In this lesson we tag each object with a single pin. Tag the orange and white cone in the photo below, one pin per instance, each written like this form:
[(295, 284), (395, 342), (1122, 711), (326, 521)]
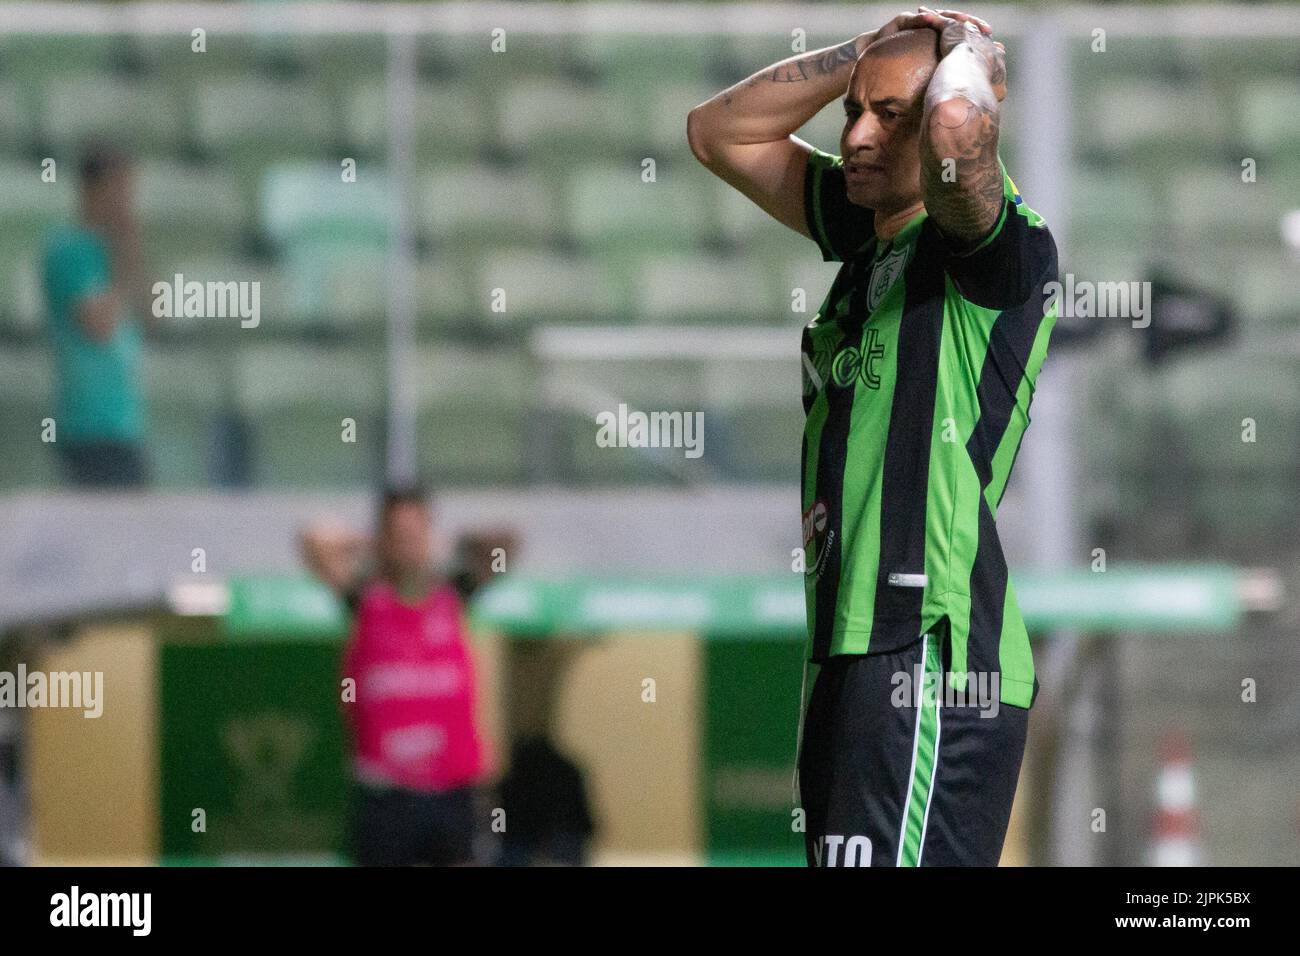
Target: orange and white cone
[(1177, 825)]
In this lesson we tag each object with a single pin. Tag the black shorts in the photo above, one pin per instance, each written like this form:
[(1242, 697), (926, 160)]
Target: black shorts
[(395, 827), (885, 782)]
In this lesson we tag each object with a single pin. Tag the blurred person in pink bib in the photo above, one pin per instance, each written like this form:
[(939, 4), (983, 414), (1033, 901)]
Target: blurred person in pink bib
[(408, 691)]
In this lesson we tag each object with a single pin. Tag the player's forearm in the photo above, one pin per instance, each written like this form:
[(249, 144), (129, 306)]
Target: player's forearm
[(960, 174), (775, 101)]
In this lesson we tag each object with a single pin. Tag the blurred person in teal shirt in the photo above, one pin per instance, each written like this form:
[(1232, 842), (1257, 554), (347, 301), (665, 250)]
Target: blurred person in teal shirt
[(95, 292)]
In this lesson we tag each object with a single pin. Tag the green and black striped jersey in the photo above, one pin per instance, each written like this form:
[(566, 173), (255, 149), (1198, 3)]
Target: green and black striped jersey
[(918, 371)]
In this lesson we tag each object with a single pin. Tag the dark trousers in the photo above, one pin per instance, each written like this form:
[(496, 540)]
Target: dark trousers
[(104, 464), (396, 827)]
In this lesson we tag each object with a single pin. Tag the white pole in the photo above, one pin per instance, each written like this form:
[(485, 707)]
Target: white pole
[(401, 462)]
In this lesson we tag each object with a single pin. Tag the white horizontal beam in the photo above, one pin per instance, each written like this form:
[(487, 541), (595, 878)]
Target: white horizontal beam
[(669, 19), (642, 343)]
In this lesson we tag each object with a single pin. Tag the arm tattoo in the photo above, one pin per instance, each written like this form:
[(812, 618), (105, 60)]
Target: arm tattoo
[(965, 206), (826, 62), (833, 59), (961, 178)]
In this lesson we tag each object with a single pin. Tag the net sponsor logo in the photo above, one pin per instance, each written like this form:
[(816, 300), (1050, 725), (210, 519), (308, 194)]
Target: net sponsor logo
[(853, 364)]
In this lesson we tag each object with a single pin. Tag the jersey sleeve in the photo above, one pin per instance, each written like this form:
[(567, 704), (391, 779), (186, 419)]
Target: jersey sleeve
[(1013, 264), (837, 226)]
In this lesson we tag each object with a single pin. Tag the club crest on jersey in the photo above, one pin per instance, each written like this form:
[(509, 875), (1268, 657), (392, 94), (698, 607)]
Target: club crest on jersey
[(887, 271)]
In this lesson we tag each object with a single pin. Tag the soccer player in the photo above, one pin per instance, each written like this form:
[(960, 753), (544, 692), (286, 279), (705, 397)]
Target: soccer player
[(918, 371)]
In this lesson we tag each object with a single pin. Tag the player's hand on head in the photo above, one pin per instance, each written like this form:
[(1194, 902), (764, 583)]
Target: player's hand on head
[(946, 15), (958, 28)]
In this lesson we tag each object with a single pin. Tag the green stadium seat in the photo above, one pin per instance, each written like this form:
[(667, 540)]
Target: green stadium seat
[(666, 125), (17, 112), (132, 113), (442, 293), (1106, 208), (739, 219), (36, 57), (1268, 292), (708, 289), (23, 304), (638, 62), (310, 202), (482, 206), (1160, 119), (27, 203), (1270, 115), (469, 57), (202, 200), (1212, 204), (185, 390), (263, 116), (27, 397), (473, 411), (565, 120), (296, 425), (543, 285), (450, 121), (609, 207)]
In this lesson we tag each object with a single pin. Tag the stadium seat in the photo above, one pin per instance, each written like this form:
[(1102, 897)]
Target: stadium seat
[(450, 121), (666, 116), (1270, 119), (27, 397), (544, 285), (1268, 293), (296, 425), (473, 410), (263, 117), (1211, 203), (611, 209), (484, 206), (442, 294), (710, 290), (303, 202), (135, 114), (27, 203), (1160, 120), (565, 121), (186, 388), (173, 197)]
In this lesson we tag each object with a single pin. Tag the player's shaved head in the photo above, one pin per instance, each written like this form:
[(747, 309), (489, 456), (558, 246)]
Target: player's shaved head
[(912, 54), (922, 45)]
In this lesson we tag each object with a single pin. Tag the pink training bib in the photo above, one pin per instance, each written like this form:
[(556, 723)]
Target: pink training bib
[(413, 719)]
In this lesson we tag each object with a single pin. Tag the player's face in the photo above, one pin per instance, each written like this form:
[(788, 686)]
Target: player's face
[(406, 537), (882, 130)]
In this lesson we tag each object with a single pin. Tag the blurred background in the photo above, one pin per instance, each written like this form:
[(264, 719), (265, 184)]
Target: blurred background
[(527, 242)]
